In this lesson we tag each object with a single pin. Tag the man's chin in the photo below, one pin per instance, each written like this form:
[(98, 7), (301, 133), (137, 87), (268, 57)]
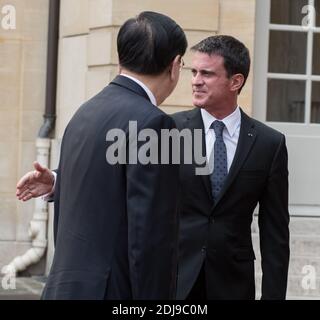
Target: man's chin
[(198, 104)]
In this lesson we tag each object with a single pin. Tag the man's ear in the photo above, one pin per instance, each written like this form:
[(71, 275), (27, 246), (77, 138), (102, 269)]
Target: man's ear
[(237, 81), (174, 69)]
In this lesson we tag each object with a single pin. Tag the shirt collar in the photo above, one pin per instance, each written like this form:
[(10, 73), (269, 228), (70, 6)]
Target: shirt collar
[(232, 121), (144, 87)]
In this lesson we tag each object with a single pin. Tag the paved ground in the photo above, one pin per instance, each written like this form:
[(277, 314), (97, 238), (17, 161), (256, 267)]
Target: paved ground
[(31, 288), (25, 289)]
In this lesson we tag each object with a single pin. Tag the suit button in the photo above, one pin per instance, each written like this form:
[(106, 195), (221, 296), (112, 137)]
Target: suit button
[(211, 220), (204, 249)]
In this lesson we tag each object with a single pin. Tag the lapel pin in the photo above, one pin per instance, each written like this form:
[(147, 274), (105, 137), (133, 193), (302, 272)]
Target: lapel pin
[(250, 135)]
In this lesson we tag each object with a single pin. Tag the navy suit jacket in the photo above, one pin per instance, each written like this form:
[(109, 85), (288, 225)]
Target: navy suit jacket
[(115, 225), (218, 235)]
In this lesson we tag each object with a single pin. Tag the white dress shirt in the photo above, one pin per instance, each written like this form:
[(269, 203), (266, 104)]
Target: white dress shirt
[(144, 87), (230, 133)]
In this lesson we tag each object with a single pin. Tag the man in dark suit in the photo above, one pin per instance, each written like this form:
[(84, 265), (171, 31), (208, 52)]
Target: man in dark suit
[(116, 224), (248, 161)]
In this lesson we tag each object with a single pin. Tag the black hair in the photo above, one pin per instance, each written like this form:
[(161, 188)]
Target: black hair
[(148, 43), (235, 54)]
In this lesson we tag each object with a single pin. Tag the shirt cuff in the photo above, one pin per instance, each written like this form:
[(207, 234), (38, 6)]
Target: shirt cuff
[(49, 196)]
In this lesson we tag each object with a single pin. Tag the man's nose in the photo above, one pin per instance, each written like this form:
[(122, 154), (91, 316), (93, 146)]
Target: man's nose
[(197, 79)]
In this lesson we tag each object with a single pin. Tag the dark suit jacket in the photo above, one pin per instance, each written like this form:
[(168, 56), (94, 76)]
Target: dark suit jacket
[(219, 234), (115, 225)]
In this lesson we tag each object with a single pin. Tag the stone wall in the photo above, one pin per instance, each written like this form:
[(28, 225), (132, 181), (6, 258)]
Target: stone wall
[(22, 97)]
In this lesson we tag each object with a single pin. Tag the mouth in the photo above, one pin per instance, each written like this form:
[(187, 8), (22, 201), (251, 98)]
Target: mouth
[(198, 92)]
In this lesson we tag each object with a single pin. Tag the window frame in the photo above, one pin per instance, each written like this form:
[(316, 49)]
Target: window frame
[(261, 73)]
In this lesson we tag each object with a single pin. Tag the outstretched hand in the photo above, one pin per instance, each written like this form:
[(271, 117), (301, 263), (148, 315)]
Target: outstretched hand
[(35, 183)]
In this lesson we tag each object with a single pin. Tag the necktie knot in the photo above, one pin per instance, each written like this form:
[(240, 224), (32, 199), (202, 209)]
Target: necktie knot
[(218, 127)]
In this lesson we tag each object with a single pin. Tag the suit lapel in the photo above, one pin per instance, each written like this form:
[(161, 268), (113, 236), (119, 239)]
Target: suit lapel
[(247, 138), (129, 84), (195, 121)]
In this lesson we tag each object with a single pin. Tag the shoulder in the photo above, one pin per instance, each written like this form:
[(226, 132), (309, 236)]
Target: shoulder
[(157, 119), (265, 132), (182, 116)]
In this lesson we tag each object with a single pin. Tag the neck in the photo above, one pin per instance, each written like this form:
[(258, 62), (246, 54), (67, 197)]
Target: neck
[(154, 83), (223, 110)]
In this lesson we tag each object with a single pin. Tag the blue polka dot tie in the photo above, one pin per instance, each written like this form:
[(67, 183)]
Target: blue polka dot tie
[(220, 169)]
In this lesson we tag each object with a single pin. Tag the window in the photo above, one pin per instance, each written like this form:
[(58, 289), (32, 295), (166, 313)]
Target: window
[(293, 75)]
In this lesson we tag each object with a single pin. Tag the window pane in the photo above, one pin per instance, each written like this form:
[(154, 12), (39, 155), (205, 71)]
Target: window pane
[(316, 54), (317, 6), (286, 100), (287, 11), (315, 104), (287, 52)]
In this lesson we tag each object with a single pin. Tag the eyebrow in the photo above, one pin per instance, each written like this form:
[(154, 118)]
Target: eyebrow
[(203, 71)]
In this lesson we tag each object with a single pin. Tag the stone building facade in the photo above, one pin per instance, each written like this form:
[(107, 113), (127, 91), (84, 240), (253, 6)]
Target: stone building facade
[(87, 61)]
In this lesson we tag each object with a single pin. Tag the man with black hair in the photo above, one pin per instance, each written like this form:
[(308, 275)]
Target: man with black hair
[(248, 164), (115, 225)]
